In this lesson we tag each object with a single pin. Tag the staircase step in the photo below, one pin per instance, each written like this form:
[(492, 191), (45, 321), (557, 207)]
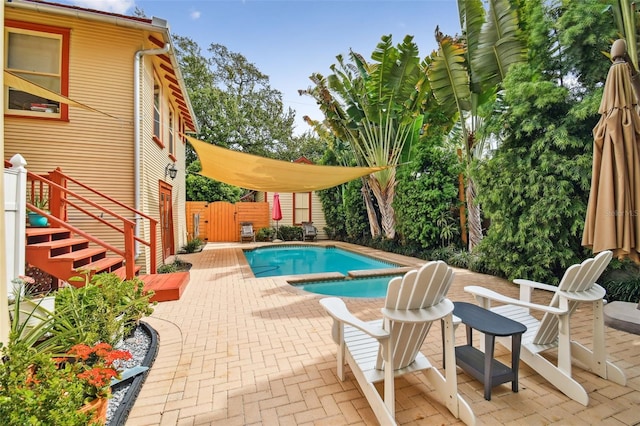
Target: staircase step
[(45, 231), (88, 254), (39, 235), (167, 287), (122, 271), (72, 243), (104, 265)]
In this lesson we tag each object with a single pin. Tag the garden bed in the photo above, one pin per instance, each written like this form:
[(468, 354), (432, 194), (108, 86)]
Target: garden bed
[(143, 345)]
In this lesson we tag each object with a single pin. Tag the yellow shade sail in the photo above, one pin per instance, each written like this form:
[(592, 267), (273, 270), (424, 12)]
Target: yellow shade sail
[(19, 83), (266, 174)]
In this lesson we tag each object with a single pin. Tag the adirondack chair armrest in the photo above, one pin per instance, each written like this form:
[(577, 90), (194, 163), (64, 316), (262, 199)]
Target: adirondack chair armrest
[(596, 292), (432, 313), (537, 285), (338, 310), (484, 293)]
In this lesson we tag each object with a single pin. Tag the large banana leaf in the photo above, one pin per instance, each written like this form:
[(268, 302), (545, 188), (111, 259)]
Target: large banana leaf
[(449, 76), (395, 77), (472, 15), (498, 46)]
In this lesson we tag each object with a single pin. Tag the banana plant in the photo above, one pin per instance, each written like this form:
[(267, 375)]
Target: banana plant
[(377, 107), (465, 74), (628, 22)]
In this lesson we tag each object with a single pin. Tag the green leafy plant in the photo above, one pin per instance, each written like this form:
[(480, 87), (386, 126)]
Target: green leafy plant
[(265, 234), (105, 309), (192, 245), (40, 202), (290, 233), (167, 268), (35, 390), (32, 325), (176, 266)]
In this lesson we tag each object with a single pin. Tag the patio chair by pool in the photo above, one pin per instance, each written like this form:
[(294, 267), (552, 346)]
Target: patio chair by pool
[(380, 350), (309, 232), (578, 285), (246, 231)]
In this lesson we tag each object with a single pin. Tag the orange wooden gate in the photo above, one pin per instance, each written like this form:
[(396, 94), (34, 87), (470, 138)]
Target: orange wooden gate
[(220, 221)]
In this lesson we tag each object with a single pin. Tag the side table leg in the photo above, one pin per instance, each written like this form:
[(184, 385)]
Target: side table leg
[(489, 343), (515, 359)]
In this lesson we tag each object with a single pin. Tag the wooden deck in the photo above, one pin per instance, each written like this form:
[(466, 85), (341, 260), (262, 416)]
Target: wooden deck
[(167, 287)]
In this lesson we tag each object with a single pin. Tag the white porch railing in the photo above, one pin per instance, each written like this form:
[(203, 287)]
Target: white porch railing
[(15, 187)]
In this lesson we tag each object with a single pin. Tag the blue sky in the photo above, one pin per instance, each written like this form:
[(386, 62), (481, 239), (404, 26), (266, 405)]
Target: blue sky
[(288, 40)]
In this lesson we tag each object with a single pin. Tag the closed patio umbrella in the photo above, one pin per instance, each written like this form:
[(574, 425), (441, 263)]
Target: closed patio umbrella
[(613, 213), (276, 212)]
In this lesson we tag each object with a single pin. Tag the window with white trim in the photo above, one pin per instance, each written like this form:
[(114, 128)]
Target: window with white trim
[(157, 121), (38, 54), (301, 207), (171, 139)]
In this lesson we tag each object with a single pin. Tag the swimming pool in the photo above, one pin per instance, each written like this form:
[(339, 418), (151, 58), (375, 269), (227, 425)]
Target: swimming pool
[(300, 259), (355, 287)]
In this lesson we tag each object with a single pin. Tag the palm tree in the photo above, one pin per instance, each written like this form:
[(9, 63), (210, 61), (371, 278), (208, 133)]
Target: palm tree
[(465, 75), (376, 107)]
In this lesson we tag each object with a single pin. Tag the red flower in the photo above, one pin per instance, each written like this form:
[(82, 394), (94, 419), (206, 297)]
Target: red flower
[(96, 367)]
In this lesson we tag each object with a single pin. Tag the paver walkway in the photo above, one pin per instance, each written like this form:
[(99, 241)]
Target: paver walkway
[(237, 350)]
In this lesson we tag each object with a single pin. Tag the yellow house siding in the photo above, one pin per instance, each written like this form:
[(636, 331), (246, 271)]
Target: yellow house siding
[(154, 158), (286, 205), (317, 215), (95, 149), (90, 147)]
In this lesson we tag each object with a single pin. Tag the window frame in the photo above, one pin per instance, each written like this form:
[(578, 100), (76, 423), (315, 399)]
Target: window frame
[(307, 207), (157, 111), (171, 132), (45, 31)]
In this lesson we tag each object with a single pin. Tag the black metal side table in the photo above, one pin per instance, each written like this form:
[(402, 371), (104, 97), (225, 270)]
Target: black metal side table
[(483, 366)]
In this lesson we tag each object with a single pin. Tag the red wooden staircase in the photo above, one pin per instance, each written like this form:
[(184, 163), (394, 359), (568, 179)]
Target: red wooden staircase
[(59, 253), (64, 250)]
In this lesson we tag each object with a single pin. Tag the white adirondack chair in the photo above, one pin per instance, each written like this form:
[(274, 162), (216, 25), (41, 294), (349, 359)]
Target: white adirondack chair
[(578, 285), (381, 350)]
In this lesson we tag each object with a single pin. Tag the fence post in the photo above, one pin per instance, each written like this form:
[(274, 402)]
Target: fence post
[(57, 206)]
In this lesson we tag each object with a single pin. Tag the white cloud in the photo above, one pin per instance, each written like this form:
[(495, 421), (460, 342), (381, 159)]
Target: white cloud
[(195, 14), (115, 6)]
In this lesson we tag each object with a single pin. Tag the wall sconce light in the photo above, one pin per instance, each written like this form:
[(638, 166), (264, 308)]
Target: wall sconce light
[(171, 170)]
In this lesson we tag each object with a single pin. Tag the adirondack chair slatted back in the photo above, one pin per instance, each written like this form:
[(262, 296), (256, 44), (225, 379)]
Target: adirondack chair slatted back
[(416, 290), (577, 278)]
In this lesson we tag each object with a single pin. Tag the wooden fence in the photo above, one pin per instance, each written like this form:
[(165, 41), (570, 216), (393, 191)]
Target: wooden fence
[(220, 221)]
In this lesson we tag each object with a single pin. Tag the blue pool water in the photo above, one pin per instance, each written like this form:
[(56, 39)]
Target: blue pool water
[(296, 260), (357, 287)]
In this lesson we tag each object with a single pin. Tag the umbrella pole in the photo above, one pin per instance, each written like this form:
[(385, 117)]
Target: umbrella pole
[(276, 240)]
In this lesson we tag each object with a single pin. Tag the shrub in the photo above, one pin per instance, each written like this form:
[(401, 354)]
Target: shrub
[(167, 268), (622, 281), (290, 233), (265, 234), (192, 245), (426, 197), (176, 266), (105, 309), (35, 390)]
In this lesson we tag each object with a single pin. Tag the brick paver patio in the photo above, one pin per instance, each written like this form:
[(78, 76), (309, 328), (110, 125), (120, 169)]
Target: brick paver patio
[(237, 350)]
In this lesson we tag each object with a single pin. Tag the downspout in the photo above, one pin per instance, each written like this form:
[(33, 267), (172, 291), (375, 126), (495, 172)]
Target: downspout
[(137, 120)]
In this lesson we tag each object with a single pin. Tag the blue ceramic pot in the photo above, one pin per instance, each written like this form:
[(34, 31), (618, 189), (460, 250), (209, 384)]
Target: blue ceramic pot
[(37, 220)]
